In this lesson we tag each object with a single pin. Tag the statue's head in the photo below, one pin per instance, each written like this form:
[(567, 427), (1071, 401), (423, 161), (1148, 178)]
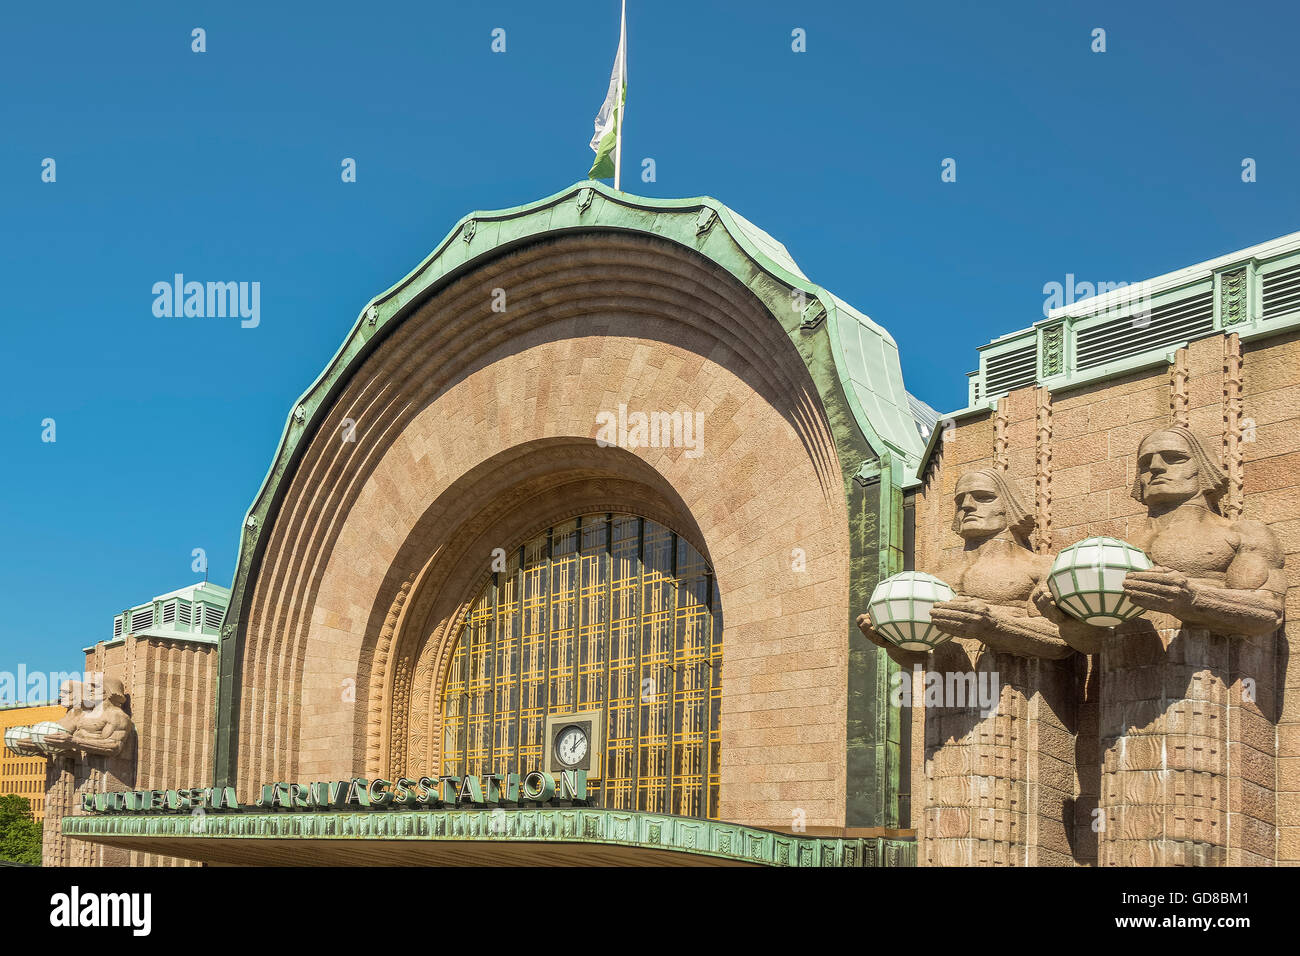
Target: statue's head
[(985, 505), (1175, 467), (70, 693), (99, 688)]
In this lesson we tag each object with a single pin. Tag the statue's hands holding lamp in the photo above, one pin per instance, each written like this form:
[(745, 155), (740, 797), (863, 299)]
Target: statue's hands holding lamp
[(964, 616), (1084, 638), (1160, 589), (905, 659)]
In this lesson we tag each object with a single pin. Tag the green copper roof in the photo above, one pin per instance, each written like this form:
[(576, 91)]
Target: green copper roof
[(868, 361), (865, 355)]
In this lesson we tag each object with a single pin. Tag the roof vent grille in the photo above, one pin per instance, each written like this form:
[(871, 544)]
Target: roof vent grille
[(1011, 370), (1128, 335), (1282, 292)]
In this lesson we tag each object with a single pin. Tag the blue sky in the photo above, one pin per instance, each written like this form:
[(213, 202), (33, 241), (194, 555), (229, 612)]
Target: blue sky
[(225, 165)]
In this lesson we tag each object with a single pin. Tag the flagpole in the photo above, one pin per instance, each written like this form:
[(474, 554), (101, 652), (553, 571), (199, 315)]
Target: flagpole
[(622, 97)]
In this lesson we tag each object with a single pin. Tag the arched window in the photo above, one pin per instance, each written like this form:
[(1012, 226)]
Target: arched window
[(613, 622)]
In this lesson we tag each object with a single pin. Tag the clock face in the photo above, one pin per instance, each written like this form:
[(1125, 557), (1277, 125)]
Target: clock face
[(571, 745)]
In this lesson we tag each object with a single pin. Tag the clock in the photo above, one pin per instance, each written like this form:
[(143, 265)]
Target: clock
[(574, 741), (571, 745)]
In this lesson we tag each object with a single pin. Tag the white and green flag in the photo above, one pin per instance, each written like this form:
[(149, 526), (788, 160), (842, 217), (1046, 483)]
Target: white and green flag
[(608, 140)]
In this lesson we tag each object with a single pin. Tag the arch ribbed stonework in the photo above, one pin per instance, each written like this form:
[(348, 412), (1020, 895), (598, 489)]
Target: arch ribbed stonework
[(444, 425), (474, 427)]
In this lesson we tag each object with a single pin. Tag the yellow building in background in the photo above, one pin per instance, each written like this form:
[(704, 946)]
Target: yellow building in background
[(25, 776)]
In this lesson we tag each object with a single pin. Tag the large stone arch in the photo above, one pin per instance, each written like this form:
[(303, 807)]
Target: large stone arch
[(499, 503), (471, 427)]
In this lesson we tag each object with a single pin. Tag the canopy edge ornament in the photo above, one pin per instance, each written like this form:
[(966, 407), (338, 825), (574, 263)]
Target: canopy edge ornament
[(868, 472), (814, 314), (704, 222)]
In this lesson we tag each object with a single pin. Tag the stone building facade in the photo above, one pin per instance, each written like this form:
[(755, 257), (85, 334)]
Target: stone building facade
[(467, 561), (1151, 751)]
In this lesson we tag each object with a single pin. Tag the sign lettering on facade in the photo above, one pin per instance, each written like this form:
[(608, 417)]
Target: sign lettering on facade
[(470, 790)]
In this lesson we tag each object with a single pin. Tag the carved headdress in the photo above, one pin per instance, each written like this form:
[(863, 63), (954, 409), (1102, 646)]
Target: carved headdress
[(1210, 474), (1020, 520)]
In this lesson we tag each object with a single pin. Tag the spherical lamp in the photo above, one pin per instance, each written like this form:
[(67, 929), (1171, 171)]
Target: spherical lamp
[(39, 732), (1087, 580), (18, 740), (900, 610)]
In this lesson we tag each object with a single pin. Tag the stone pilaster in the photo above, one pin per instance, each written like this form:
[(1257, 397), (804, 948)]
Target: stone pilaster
[(999, 785), (1186, 775)]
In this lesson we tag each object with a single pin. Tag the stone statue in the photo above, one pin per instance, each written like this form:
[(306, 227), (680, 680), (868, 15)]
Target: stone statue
[(994, 579), (95, 724), (1174, 706), (94, 752), (1210, 571), (993, 792)]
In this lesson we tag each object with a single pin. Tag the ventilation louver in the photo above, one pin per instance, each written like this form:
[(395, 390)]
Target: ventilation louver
[(1011, 370), (1282, 292), (1131, 334)]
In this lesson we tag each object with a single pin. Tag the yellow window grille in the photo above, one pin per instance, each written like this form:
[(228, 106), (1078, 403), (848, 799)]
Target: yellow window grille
[(609, 613)]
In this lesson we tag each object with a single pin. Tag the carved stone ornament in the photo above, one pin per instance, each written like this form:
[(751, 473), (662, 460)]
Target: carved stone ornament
[(1232, 297)]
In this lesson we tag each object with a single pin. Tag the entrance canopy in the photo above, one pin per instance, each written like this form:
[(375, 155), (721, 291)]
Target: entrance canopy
[(533, 837)]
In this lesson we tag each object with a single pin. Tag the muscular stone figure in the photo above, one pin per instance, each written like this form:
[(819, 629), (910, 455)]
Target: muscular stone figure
[(95, 723), (70, 696), (979, 805), (94, 753), (994, 579), (1186, 688), (1210, 571)]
